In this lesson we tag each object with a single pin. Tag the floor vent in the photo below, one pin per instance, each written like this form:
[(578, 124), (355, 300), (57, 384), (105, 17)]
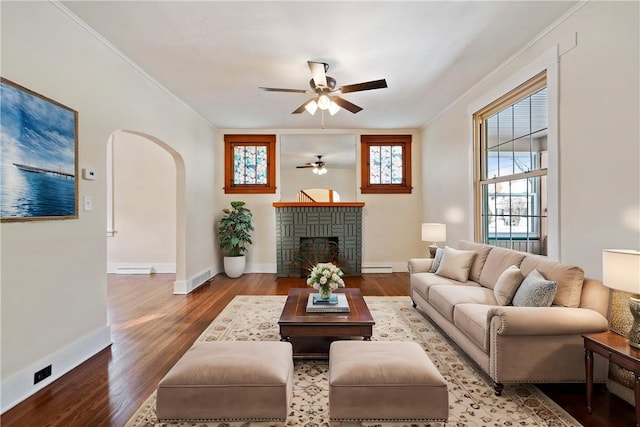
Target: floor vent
[(200, 279), (139, 269)]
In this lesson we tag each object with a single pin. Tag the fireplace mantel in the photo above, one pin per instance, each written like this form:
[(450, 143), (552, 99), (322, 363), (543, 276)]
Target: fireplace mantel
[(341, 222), (317, 204)]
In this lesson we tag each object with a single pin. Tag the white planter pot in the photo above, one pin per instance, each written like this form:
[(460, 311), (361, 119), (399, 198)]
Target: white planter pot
[(234, 265)]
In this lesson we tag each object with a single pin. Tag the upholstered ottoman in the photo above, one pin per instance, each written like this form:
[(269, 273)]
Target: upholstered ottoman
[(228, 380), (384, 381)]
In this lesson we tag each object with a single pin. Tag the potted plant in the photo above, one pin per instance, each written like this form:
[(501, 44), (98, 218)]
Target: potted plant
[(234, 236)]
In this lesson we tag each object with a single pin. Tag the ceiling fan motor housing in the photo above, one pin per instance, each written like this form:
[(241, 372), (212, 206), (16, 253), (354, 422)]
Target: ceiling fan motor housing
[(331, 85)]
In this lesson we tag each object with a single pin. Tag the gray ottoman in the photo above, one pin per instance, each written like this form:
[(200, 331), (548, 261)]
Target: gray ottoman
[(228, 380), (384, 381)]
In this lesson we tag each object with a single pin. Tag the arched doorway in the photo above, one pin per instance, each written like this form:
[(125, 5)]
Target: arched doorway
[(145, 205)]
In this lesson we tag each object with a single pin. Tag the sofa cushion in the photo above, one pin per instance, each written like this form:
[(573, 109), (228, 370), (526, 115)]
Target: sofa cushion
[(507, 285), (569, 278), (472, 320), (421, 282), (455, 264), (436, 260), (481, 250), (535, 291), (498, 260), (444, 298)]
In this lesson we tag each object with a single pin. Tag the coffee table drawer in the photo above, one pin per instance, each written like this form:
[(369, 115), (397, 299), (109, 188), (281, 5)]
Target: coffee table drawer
[(326, 330)]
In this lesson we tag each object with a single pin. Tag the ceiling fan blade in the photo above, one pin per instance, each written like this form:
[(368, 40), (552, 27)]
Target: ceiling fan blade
[(346, 104), (301, 108), (374, 84), (274, 89), (306, 166), (318, 73)]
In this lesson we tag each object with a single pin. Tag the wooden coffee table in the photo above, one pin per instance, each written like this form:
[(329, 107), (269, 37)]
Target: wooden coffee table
[(311, 334)]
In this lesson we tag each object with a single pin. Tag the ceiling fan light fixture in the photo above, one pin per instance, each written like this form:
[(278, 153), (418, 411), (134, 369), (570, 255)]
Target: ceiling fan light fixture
[(324, 102), (319, 170), (333, 108), (311, 107)]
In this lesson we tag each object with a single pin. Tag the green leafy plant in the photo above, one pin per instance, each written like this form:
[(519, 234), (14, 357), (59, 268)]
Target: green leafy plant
[(234, 229)]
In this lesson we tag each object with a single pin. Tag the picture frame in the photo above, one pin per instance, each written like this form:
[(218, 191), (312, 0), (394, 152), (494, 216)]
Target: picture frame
[(38, 156)]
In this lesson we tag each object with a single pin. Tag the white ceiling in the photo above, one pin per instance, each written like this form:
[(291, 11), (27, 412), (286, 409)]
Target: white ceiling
[(213, 55)]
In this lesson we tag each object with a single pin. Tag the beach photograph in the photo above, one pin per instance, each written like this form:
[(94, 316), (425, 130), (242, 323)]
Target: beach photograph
[(38, 147)]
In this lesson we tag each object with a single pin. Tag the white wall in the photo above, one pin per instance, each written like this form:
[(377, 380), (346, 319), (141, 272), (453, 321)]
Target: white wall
[(599, 148), (53, 275), (391, 222), (144, 205)]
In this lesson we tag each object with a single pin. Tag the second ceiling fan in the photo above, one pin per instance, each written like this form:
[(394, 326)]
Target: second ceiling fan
[(318, 166), (326, 94)]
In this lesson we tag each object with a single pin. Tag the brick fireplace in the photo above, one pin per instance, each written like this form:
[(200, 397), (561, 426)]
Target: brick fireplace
[(336, 222)]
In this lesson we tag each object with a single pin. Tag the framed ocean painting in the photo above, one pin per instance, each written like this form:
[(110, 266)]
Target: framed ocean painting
[(38, 156)]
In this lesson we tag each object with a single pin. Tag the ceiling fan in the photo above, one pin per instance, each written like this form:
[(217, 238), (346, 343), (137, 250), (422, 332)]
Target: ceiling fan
[(326, 94), (318, 166)]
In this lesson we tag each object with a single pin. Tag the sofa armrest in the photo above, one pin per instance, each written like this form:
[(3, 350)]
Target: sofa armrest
[(509, 320), (419, 265)]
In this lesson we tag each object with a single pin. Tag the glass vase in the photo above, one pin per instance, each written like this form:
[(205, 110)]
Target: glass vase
[(325, 292)]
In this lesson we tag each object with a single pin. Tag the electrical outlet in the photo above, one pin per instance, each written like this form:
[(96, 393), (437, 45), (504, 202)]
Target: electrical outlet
[(42, 374)]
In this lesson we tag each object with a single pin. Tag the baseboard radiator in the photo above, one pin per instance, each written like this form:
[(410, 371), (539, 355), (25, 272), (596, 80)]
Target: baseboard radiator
[(377, 269), (138, 269)]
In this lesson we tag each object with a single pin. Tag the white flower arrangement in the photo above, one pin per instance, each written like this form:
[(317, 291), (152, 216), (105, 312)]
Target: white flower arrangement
[(325, 277)]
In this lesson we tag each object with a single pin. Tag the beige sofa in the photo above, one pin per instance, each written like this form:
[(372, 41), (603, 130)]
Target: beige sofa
[(514, 344)]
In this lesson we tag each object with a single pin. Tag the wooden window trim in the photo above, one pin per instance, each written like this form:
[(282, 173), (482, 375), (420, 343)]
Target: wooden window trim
[(232, 141), (522, 91), (367, 141)]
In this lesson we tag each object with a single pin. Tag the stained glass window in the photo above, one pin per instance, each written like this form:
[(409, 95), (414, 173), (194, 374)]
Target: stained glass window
[(250, 165), (250, 161), (386, 166)]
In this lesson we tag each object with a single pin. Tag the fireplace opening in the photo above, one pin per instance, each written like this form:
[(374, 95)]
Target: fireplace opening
[(314, 250)]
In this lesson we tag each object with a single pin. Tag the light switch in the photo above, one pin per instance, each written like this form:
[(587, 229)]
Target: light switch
[(88, 203)]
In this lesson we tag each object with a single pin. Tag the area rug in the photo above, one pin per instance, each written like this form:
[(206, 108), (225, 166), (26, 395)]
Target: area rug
[(472, 401)]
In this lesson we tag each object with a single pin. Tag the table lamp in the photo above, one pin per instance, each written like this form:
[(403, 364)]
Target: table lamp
[(621, 271), (434, 233)]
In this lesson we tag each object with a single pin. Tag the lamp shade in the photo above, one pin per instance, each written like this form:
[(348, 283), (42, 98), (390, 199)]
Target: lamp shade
[(621, 269), (434, 232)]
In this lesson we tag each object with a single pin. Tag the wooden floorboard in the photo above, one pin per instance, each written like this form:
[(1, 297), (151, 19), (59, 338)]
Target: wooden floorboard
[(152, 328)]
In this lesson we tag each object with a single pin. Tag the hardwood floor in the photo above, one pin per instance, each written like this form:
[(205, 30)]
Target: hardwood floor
[(152, 328)]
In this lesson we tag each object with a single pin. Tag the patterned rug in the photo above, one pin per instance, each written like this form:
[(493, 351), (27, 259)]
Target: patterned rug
[(472, 401)]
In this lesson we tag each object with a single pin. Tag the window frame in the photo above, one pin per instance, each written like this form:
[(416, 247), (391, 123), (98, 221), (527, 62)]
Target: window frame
[(481, 180), (247, 140), (368, 141)]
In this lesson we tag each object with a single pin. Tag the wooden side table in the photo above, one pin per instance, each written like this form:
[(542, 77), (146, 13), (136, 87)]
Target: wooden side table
[(616, 349)]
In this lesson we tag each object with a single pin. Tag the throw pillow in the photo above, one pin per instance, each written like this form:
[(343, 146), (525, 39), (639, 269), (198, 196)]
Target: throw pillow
[(436, 260), (507, 285), (535, 291), (455, 264)]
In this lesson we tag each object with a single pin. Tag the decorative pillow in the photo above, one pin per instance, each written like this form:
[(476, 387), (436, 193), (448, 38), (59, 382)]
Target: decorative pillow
[(455, 264), (436, 260), (507, 285), (535, 291)]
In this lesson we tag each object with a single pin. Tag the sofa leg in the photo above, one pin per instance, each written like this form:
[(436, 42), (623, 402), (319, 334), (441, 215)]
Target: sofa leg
[(498, 387), (413, 303)]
